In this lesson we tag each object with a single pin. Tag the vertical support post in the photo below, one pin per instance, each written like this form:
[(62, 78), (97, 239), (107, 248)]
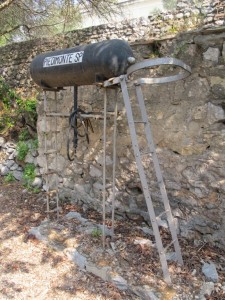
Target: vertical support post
[(56, 156), (75, 107), (114, 158), (104, 167), (45, 147)]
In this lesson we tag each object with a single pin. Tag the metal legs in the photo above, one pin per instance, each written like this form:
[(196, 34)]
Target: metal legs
[(104, 163)]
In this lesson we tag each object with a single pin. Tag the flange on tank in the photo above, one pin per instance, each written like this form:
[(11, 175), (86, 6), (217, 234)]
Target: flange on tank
[(82, 65)]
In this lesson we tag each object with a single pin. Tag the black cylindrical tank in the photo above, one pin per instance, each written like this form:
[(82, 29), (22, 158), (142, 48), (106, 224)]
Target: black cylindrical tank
[(81, 65)]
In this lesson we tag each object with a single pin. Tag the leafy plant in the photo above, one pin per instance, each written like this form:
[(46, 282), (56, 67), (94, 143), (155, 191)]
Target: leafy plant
[(9, 177), (7, 95), (96, 233), (35, 190), (28, 105), (22, 150), (169, 4), (13, 108), (24, 135), (29, 175), (34, 144)]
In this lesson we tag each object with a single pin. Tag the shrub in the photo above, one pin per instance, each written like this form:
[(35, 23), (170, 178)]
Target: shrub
[(96, 233), (29, 174), (9, 177), (24, 135), (13, 107), (22, 150)]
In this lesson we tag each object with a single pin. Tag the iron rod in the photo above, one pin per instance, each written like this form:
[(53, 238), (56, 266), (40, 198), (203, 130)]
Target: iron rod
[(104, 168), (56, 158), (45, 145), (75, 107), (114, 159)]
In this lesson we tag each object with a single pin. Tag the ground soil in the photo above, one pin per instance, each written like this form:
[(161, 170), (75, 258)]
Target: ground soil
[(30, 269)]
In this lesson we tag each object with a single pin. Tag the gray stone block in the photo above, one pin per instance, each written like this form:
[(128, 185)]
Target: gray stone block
[(210, 272)]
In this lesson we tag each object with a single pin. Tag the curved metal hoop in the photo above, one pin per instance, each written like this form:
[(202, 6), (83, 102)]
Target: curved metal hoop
[(157, 62)]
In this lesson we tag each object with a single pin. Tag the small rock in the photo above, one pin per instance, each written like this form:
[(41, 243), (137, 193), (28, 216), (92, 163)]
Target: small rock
[(179, 16), (10, 145), (98, 186), (162, 223), (223, 54), (108, 160), (124, 160), (35, 231), (207, 289), (212, 54), (95, 172), (119, 281), (210, 272), (145, 293), (35, 217), (75, 215), (9, 163), (29, 158), (2, 141), (78, 258), (102, 272), (107, 230), (14, 167), (37, 182), (4, 170), (147, 230), (10, 150), (12, 155), (171, 256), (18, 175), (144, 242)]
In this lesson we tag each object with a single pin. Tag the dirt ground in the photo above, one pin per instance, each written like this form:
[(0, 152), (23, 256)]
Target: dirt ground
[(30, 269)]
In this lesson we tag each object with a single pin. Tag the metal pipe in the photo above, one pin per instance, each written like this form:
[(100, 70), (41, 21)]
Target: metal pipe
[(104, 168), (75, 107), (114, 158)]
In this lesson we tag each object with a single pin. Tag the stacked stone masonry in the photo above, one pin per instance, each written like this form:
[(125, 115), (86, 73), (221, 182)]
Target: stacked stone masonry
[(187, 118)]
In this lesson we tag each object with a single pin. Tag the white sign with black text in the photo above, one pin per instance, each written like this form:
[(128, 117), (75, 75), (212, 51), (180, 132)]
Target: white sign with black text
[(63, 59)]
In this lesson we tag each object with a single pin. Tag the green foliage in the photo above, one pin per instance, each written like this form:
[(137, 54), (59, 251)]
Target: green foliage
[(9, 177), (22, 150), (27, 105), (156, 11), (24, 135), (23, 20), (180, 49), (12, 107), (29, 175), (34, 144), (35, 190), (96, 233), (7, 95), (169, 4)]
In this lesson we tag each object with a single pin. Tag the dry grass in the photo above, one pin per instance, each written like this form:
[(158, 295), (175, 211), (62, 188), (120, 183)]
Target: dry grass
[(30, 269)]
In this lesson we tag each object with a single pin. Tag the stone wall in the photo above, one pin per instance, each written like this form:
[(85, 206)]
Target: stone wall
[(187, 118), (15, 58)]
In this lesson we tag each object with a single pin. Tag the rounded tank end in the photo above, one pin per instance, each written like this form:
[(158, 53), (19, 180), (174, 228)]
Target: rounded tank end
[(131, 60)]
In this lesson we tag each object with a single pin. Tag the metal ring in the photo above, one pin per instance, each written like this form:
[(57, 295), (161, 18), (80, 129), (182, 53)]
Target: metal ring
[(157, 62)]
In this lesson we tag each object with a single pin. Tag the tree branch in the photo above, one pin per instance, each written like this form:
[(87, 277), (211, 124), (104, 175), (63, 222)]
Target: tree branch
[(6, 4)]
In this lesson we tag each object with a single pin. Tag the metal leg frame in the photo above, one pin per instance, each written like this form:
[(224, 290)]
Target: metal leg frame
[(46, 152), (158, 173), (104, 167), (143, 178), (114, 159)]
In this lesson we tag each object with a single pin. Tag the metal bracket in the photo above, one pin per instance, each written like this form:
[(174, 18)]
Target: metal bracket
[(158, 62)]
